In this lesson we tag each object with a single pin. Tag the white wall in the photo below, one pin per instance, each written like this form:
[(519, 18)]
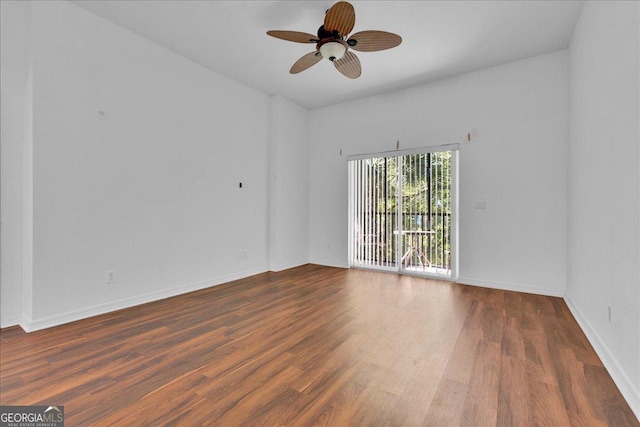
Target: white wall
[(604, 187), (516, 162), (11, 136), (14, 17), (289, 195), (152, 191)]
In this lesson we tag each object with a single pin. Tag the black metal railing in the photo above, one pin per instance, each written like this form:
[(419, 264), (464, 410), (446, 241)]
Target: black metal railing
[(425, 239)]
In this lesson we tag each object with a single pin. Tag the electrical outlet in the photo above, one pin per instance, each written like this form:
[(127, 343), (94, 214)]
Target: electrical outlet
[(110, 276), (480, 204), (243, 254)]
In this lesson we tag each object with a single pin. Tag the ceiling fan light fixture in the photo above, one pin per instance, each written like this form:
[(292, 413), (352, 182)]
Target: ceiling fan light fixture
[(333, 50)]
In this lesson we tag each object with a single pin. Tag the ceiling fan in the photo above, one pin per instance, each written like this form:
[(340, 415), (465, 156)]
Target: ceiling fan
[(333, 44)]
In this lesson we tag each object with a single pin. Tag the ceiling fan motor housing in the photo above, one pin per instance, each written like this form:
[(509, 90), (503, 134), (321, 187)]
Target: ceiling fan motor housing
[(323, 33)]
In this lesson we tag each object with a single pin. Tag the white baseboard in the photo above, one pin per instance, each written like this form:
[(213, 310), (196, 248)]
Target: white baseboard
[(287, 266), (511, 287), (629, 391), (9, 321), (330, 263), (31, 325)]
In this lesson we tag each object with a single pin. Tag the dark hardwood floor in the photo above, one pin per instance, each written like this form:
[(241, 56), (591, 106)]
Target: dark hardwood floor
[(319, 346)]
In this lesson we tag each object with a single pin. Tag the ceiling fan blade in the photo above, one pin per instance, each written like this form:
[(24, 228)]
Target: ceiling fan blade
[(293, 36), (349, 65), (373, 40), (305, 62), (341, 18)]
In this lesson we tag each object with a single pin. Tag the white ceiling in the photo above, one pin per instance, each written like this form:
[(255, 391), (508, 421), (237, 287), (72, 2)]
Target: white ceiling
[(440, 39)]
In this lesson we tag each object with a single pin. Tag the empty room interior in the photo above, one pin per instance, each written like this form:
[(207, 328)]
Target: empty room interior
[(388, 213)]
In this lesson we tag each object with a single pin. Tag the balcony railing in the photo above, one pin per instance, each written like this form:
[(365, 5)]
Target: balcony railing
[(424, 241)]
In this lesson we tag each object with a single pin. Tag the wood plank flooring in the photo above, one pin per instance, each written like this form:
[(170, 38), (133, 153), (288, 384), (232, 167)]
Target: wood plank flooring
[(319, 346)]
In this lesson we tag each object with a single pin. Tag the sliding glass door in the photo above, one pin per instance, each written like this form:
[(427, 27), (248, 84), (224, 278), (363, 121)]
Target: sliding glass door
[(402, 211)]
